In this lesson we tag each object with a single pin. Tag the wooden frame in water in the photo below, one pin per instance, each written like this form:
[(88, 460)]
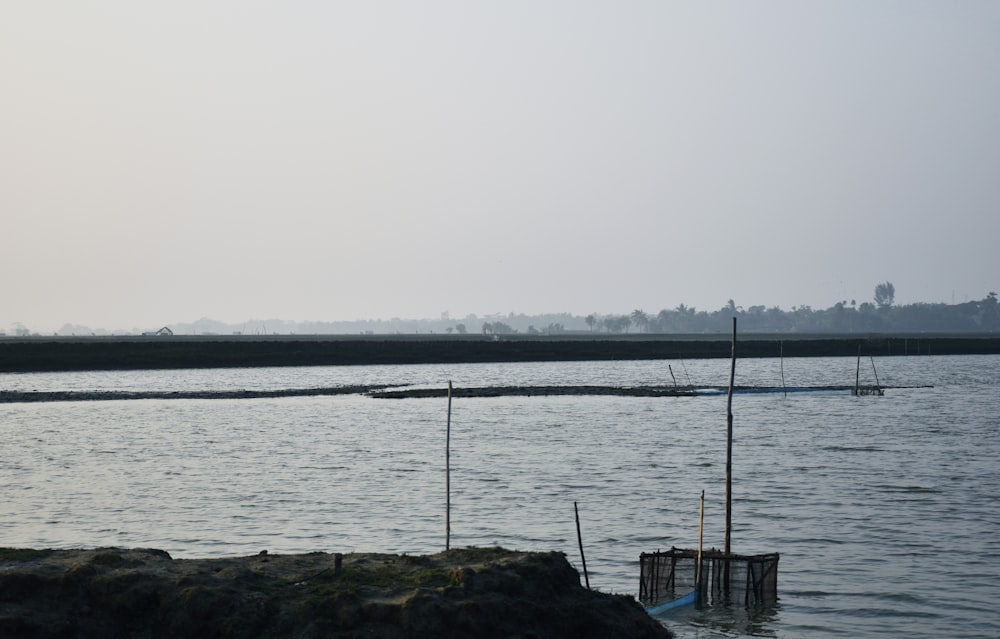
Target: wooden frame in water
[(752, 579)]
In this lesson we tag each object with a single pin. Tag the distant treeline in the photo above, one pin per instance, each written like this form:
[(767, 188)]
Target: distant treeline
[(842, 318), (981, 316), (978, 316)]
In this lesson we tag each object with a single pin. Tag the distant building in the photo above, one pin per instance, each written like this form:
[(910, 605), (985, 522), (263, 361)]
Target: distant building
[(163, 331)]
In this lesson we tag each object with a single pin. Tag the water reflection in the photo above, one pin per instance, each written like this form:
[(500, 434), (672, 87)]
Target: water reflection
[(719, 620)]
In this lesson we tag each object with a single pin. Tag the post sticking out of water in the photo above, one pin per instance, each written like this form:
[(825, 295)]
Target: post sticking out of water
[(447, 477), (701, 528), (729, 461), (579, 539), (729, 444), (670, 368), (857, 375), (781, 355)]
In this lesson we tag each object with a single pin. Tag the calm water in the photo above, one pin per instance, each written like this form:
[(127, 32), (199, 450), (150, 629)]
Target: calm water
[(885, 509)]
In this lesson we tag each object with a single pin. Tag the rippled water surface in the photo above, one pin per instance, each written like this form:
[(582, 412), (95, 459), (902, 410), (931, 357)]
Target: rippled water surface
[(885, 509)]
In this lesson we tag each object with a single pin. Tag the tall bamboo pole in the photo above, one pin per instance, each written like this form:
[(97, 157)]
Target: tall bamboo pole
[(729, 444), (729, 464), (447, 477)]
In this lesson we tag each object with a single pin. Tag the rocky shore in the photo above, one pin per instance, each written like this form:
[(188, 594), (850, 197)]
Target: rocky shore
[(475, 592)]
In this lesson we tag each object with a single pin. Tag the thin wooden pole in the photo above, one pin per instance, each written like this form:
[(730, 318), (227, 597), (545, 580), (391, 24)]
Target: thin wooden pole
[(686, 375), (447, 477), (729, 444), (877, 385), (781, 354), (672, 375), (579, 539), (701, 528), (857, 375), (729, 465)]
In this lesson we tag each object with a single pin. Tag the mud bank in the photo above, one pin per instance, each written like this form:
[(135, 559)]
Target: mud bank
[(492, 592), (382, 392), (164, 352)]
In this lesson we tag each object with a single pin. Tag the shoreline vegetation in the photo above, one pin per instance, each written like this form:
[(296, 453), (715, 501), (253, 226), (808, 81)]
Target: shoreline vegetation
[(56, 354), (471, 592)]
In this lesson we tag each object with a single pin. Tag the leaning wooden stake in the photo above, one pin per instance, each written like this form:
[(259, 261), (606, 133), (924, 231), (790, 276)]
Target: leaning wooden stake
[(579, 539), (447, 477)]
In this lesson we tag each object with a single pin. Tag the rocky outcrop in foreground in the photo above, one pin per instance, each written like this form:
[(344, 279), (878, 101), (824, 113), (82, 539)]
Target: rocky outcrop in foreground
[(474, 592)]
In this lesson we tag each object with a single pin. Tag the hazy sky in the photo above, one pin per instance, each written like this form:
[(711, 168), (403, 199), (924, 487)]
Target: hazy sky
[(307, 160)]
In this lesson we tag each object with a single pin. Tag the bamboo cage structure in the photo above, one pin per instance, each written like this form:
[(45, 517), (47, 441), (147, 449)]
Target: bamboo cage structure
[(752, 579)]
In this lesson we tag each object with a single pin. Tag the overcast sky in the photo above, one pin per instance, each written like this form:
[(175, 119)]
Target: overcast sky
[(306, 160)]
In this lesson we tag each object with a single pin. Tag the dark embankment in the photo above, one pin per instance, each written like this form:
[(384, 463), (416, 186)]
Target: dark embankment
[(485, 593), (159, 352)]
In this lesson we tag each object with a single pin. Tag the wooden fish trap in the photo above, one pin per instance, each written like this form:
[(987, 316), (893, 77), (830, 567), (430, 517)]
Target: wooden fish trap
[(862, 391), (725, 578)]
